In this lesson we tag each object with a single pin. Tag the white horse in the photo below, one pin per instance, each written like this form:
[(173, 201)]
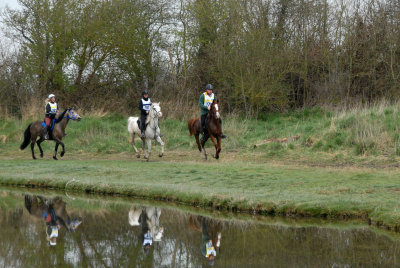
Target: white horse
[(152, 131), (150, 215)]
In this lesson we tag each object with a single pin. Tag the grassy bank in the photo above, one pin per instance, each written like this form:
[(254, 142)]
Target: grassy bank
[(343, 164), (237, 186), (357, 136)]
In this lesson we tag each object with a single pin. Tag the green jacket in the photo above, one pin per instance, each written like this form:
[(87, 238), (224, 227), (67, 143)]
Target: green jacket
[(203, 108)]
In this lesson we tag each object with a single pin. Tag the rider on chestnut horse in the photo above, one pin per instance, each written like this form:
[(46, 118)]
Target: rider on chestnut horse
[(205, 101)]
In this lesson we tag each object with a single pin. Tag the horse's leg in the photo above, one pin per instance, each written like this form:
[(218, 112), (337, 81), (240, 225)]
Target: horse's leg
[(159, 140), (144, 149), (63, 147), (219, 146), (216, 146), (196, 136), (133, 144), (58, 142), (55, 151), (40, 147), (203, 149), (33, 141), (148, 149)]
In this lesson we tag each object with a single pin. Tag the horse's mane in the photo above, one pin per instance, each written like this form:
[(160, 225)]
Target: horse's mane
[(61, 116)]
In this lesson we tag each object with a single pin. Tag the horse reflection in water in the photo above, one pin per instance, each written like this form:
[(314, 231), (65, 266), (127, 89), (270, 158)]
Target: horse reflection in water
[(210, 235), (149, 219), (53, 212)]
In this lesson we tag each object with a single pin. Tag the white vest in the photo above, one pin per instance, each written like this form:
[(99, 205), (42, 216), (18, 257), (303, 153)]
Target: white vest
[(146, 104), (208, 100), (53, 107)]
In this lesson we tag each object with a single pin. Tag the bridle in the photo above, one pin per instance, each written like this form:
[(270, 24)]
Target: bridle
[(71, 116)]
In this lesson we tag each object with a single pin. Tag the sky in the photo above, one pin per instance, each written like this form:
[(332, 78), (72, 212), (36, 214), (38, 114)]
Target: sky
[(10, 3), (4, 42)]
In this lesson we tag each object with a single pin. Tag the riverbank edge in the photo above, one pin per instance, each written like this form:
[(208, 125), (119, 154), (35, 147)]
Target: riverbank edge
[(198, 200)]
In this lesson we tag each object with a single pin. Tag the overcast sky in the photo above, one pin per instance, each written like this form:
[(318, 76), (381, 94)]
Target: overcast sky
[(10, 3)]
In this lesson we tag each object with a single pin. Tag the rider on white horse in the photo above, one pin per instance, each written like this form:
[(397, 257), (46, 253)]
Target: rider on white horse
[(144, 107)]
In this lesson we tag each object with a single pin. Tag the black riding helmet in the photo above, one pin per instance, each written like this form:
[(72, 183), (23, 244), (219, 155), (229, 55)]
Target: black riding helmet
[(145, 92), (209, 86)]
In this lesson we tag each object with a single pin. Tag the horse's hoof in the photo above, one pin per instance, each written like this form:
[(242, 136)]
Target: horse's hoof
[(55, 158), (160, 155), (148, 160), (138, 155), (62, 154), (34, 158)]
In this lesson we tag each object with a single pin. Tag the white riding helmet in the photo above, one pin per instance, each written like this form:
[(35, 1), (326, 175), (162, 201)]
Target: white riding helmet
[(51, 96)]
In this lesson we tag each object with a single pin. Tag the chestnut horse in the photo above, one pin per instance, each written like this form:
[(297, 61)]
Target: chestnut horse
[(213, 130), (35, 130)]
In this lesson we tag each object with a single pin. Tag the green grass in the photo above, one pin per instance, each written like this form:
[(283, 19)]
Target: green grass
[(360, 136), (269, 189), (299, 177)]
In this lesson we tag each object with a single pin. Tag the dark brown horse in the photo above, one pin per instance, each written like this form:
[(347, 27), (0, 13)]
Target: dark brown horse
[(35, 130), (213, 131), (37, 205)]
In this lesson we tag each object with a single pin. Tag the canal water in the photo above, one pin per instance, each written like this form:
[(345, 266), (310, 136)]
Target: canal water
[(47, 229)]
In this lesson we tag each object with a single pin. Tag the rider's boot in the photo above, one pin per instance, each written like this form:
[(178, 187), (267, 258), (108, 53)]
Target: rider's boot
[(46, 132), (203, 134)]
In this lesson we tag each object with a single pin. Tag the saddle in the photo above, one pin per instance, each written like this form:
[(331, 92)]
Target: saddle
[(53, 122), (138, 121)]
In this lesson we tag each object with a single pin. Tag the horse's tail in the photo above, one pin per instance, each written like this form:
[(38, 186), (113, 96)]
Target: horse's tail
[(27, 137), (28, 203)]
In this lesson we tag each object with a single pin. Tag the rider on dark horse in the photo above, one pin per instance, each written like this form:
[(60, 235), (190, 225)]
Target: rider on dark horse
[(144, 107), (52, 224), (51, 112), (205, 101)]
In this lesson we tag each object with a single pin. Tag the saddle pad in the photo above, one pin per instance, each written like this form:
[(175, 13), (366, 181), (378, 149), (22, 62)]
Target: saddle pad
[(51, 124)]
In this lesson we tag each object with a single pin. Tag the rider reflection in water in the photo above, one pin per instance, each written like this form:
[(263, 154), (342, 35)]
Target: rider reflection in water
[(149, 219), (210, 234), (52, 225), (54, 213), (207, 246), (148, 240)]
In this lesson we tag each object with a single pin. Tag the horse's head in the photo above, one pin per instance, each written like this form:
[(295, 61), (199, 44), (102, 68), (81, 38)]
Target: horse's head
[(215, 109), (73, 115), (73, 224), (155, 109), (158, 233)]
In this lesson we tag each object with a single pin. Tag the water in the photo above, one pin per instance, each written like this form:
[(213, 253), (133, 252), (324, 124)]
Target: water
[(111, 234)]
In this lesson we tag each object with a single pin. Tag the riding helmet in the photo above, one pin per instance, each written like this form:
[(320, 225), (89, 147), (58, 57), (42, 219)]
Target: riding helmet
[(51, 96), (209, 86), (145, 92)]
